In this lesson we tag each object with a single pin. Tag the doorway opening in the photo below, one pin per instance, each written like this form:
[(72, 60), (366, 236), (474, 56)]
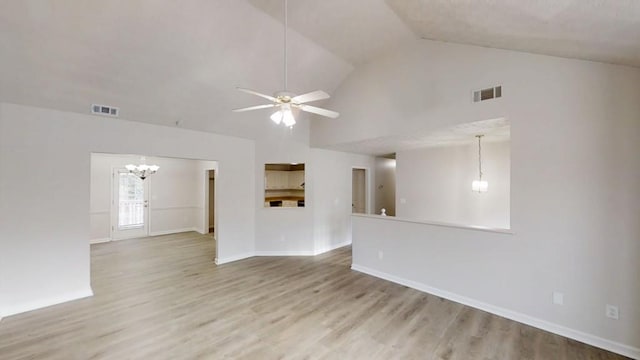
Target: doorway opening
[(384, 179), (179, 198), (210, 199), (166, 211), (359, 191)]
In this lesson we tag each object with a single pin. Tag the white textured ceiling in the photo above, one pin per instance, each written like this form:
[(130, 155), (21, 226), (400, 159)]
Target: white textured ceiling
[(158, 61), (600, 30), (355, 30), (162, 61), (494, 130)]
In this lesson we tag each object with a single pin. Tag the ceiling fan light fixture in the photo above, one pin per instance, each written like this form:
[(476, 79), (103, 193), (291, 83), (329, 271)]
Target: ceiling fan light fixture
[(287, 118), (276, 117), (284, 100)]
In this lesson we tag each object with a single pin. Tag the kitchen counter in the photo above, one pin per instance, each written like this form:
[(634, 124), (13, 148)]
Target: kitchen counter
[(282, 198)]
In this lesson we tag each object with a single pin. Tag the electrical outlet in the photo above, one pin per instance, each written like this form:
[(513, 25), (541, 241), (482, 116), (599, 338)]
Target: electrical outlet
[(380, 254), (558, 298), (403, 201), (612, 312)]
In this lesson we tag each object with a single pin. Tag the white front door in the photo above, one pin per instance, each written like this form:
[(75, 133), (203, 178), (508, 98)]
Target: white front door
[(130, 206)]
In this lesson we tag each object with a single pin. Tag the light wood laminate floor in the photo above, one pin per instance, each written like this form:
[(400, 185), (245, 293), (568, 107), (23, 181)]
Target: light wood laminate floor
[(164, 298)]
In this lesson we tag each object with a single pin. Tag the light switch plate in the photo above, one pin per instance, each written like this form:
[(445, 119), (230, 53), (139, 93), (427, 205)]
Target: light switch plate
[(611, 311), (558, 298)]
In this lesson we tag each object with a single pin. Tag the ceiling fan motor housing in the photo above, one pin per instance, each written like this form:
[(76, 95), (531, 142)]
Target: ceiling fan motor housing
[(284, 97)]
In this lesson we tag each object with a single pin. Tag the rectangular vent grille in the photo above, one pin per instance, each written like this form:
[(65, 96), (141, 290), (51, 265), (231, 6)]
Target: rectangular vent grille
[(487, 94), (104, 110)]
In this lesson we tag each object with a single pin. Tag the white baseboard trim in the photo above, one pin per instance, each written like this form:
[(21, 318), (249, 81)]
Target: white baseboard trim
[(229, 259), (325, 249), (39, 304), (172, 231), (285, 253), (99, 241), (279, 253), (590, 339), (317, 251)]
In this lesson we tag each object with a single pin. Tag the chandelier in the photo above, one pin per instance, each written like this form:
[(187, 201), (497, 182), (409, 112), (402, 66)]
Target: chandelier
[(143, 170)]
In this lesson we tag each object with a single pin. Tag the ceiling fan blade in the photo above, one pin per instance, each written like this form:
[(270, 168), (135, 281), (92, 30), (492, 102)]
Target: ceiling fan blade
[(249, 91), (309, 97), (254, 107), (317, 110)]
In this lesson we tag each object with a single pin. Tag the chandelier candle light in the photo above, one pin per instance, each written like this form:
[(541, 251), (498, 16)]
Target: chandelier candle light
[(479, 185), (142, 170)]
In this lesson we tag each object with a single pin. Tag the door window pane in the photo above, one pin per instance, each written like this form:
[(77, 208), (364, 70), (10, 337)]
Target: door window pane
[(130, 202)]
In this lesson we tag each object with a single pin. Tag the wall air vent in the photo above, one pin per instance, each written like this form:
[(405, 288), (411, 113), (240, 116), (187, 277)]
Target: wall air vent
[(104, 110), (487, 94)]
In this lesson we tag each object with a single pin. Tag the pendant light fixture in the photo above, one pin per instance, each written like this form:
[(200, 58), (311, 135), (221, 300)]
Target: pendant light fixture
[(479, 185)]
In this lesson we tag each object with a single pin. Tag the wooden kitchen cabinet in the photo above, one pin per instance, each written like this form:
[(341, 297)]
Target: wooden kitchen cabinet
[(284, 185), (276, 180), (284, 180), (296, 180)]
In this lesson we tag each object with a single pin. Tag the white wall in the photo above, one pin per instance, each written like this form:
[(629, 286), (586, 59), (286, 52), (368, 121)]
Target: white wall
[(100, 198), (435, 184), (331, 196), (385, 185), (175, 194), (49, 263), (175, 201), (575, 140), (45, 229), (283, 231), (324, 223)]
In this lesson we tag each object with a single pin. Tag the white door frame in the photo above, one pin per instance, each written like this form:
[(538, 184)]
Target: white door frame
[(116, 234), (206, 223), (216, 229), (367, 187)]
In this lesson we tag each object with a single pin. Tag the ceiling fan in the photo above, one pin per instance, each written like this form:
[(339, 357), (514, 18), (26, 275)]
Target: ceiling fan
[(286, 101)]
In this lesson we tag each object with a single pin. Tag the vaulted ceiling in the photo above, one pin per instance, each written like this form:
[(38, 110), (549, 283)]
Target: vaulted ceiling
[(168, 61), (355, 30), (606, 31), (158, 61)]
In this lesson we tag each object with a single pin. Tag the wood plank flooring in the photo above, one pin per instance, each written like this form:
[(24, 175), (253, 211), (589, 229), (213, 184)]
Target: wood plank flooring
[(164, 298)]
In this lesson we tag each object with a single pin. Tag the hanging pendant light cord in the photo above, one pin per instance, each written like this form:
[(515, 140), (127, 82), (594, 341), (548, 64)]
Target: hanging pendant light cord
[(285, 44), (479, 157)]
